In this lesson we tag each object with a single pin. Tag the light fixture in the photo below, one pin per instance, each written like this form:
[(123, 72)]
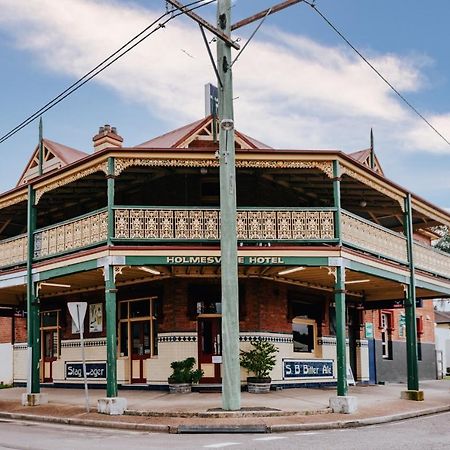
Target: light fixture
[(149, 270), (358, 281), (227, 124), (47, 283), (295, 269), (363, 203), (203, 170)]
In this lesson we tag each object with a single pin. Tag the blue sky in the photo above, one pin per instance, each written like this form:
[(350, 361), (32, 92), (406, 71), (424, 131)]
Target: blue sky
[(296, 75)]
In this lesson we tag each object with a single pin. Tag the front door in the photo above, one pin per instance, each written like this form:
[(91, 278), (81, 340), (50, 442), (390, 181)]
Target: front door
[(140, 349), (50, 344), (210, 348)]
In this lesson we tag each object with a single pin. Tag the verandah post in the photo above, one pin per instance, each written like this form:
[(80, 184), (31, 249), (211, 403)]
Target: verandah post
[(111, 333), (33, 325)]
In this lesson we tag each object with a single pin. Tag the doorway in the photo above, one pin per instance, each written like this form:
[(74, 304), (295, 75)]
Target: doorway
[(138, 338), (49, 343), (209, 329), (140, 349)]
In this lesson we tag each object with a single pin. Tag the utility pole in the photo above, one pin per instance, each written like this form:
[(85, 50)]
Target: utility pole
[(231, 380), (231, 383)]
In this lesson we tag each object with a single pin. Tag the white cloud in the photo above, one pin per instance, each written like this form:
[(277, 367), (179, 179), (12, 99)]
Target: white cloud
[(310, 94)]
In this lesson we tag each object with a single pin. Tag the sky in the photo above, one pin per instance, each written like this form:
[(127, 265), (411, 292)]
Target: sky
[(296, 85)]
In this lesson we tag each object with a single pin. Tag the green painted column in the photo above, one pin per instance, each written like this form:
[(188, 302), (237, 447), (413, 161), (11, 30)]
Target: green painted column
[(341, 347), (110, 192), (111, 332), (337, 200), (33, 319), (410, 304), (231, 383)]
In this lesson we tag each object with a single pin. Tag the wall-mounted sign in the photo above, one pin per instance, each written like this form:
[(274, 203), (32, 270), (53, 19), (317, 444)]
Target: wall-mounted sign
[(74, 370), (307, 368), (96, 318), (368, 328)]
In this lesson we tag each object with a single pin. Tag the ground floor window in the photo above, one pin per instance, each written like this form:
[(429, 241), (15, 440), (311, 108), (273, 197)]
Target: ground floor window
[(138, 328), (304, 335)]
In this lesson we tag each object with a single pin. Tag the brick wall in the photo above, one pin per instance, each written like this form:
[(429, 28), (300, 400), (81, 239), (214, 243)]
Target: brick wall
[(5, 330)]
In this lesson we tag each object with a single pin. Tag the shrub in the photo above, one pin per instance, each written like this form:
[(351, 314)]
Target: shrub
[(182, 372), (260, 360)]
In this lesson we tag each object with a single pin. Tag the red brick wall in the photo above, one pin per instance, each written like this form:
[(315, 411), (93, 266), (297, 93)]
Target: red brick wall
[(20, 329), (5, 330)]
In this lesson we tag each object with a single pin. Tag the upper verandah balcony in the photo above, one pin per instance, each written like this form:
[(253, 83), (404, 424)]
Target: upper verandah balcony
[(170, 196)]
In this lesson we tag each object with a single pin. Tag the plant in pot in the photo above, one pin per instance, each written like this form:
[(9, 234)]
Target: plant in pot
[(260, 360), (183, 376)]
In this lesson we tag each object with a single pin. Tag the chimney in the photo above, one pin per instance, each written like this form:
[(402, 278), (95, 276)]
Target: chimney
[(107, 137)]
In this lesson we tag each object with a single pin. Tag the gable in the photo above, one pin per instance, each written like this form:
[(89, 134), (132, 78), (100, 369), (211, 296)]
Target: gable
[(54, 156), (200, 134), (364, 157)]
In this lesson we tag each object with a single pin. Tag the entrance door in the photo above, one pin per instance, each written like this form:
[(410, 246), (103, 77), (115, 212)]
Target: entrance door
[(210, 348), (140, 349), (50, 343), (353, 336)]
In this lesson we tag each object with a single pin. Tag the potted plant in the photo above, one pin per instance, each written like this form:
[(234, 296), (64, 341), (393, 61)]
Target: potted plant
[(260, 360), (183, 375)]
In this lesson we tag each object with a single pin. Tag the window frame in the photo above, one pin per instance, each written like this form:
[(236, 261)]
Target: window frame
[(304, 321)]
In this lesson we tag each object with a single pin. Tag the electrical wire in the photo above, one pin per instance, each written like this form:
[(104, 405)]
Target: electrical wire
[(402, 97), (103, 65)]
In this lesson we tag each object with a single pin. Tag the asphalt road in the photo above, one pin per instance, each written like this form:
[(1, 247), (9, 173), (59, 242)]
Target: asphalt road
[(429, 432)]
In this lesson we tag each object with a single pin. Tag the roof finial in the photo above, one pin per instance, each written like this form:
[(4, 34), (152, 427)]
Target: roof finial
[(41, 146), (372, 150)]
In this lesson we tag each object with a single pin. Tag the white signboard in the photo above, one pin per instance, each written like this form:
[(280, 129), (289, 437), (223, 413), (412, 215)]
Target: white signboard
[(77, 311)]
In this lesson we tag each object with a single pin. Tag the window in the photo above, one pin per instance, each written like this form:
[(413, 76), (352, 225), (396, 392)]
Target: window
[(138, 328), (419, 325), (304, 333), (386, 334)]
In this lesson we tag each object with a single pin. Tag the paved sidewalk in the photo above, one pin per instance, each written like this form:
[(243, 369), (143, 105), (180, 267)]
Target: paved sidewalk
[(285, 410)]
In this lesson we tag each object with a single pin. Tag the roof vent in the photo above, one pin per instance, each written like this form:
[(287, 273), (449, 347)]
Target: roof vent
[(107, 137)]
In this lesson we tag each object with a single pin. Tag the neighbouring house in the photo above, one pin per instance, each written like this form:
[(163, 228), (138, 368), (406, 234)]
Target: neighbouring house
[(442, 333)]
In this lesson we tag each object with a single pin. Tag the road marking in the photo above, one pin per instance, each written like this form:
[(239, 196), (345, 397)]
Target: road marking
[(269, 438), (221, 444)]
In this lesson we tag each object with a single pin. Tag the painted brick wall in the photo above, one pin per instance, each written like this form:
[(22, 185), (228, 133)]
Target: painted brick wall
[(426, 313)]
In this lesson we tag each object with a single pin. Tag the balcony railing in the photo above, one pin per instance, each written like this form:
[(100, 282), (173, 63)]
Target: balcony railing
[(204, 224), (73, 234), (13, 250), (367, 236), (305, 225)]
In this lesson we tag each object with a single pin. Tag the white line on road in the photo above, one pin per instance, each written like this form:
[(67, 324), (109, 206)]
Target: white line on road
[(221, 444), (307, 433), (269, 438)]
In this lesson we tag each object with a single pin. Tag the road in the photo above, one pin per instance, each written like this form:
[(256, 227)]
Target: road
[(429, 432)]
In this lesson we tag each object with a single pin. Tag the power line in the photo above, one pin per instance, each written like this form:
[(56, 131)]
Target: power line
[(402, 97), (105, 63)]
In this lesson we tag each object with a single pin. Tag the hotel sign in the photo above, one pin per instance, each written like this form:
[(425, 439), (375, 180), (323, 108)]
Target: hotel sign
[(215, 260), (300, 369)]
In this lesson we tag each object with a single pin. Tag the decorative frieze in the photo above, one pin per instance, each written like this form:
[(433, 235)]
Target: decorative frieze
[(101, 167), (204, 224), (13, 201), (123, 163)]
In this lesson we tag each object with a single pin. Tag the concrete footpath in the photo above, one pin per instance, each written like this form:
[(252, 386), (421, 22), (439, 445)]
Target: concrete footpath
[(278, 411)]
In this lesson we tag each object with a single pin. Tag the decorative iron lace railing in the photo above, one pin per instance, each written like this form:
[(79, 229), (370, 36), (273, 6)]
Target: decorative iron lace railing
[(204, 224), (373, 238), (74, 234), (13, 250)]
